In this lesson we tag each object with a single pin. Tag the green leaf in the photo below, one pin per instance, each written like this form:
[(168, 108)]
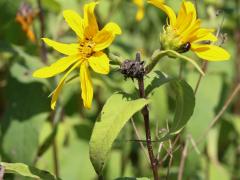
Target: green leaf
[(25, 113), (24, 65), (184, 98), (27, 171), (218, 171), (155, 81), (185, 103), (118, 109)]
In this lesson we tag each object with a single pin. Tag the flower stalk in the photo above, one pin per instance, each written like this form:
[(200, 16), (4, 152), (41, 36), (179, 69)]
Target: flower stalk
[(145, 114), (158, 55)]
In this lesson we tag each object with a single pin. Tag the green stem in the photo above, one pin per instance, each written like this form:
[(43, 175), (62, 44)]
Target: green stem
[(42, 26), (158, 55)]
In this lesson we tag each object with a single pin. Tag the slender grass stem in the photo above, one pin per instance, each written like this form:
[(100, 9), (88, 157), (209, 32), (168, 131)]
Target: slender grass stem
[(183, 159), (56, 116), (220, 113), (139, 139), (43, 50)]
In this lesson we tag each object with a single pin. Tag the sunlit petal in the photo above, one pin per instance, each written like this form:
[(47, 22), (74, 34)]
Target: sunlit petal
[(169, 11), (106, 36), (210, 52), (186, 35), (204, 35), (75, 22), (67, 49), (209, 37), (140, 11), (90, 22), (99, 62), (55, 68), (190, 9), (186, 25), (60, 86), (86, 85), (181, 16)]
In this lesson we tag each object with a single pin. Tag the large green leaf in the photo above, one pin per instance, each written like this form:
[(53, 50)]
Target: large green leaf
[(207, 99), (25, 113), (116, 112), (27, 171)]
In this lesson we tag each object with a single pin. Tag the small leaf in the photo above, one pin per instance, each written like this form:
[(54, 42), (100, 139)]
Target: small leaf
[(185, 101), (118, 109), (156, 81), (27, 171)]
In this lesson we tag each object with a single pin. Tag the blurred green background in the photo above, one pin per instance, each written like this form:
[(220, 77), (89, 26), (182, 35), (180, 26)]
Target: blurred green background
[(26, 117)]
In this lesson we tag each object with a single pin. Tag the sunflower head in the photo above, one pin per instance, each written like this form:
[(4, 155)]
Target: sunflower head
[(169, 39), (87, 54), (183, 32)]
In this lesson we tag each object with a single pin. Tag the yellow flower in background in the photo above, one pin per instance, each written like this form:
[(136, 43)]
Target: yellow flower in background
[(184, 32), (140, 11), (88, 52)]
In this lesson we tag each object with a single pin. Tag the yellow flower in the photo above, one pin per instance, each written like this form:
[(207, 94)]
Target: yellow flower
[(87, 52), (183, 33), (140, 12)]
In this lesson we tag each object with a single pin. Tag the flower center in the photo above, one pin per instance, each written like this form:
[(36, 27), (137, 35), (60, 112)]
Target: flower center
[(86, 47), (171, 40)]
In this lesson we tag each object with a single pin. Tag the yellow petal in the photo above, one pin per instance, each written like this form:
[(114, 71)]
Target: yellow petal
[(139, 3), (140, 12), (86, 85), (75, 22), (190, 9), (210, 52), (186, 24), (60, 86), (106, 36), (209, 37), (90, 22), (55, 68), (202, 34), (169, 11), (186, 35), (181, 16), (99, 62), (67, 49)]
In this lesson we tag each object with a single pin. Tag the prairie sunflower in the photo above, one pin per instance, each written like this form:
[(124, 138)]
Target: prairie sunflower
[(184, 32), (88, 52)]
